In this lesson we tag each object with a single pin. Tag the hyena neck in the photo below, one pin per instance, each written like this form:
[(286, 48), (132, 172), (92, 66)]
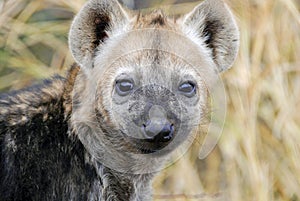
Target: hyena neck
[(118, 186)]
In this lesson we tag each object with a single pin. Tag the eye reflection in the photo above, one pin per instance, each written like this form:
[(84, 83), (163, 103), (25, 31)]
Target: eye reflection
[(188, 89), (124, 86)]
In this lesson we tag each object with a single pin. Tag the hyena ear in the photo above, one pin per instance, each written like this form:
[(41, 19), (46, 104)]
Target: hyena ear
[(213, 23), (91, 27)]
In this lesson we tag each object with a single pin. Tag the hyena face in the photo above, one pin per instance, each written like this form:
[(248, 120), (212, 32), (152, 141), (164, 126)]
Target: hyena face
[(145, 79), (153, 98)]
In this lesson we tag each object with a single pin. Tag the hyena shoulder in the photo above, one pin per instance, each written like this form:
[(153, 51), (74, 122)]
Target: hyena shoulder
[(36, 147), (50, 97)]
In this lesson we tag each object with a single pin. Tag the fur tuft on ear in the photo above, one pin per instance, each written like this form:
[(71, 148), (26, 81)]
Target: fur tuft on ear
[(91, 26), (213, 22)]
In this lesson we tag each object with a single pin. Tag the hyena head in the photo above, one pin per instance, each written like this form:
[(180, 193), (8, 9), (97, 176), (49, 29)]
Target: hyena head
[(144, 79)]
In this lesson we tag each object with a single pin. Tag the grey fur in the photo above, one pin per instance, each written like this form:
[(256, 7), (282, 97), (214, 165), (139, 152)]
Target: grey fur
[(94, 135), (83, 39)]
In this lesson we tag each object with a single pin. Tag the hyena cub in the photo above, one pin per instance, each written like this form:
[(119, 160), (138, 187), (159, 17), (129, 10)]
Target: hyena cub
[(135, 97)]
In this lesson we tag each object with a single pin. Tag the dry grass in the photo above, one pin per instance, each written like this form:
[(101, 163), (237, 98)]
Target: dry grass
[(258, 156)]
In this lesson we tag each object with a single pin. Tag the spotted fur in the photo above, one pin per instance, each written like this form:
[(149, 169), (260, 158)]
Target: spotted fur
[(64, 139)]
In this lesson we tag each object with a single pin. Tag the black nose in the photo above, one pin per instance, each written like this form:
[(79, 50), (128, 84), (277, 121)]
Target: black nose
[(159, 133)]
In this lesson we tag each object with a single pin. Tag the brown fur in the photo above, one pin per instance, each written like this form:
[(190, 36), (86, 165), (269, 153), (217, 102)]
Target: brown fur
[(156, 19), (103, 144), (69, 88)]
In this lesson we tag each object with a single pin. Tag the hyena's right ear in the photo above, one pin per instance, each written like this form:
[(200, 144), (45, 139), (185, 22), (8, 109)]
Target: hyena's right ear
[(92, 26)]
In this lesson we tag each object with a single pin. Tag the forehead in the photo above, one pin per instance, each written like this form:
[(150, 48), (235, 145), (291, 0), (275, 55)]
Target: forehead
[(153, 65), (153, 40), (155, 19)]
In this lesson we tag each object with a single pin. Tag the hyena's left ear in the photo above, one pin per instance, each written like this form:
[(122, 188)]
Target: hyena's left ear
[(214, 24), (91, 26)]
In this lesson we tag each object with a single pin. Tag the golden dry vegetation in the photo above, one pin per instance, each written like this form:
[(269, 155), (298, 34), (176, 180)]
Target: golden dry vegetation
[(258, 155)]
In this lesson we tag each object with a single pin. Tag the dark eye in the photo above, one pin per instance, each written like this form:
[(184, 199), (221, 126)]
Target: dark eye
[(124, 86), (188, 89)]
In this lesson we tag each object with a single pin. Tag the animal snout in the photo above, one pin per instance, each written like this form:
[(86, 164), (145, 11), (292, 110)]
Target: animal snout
[(158, 131)]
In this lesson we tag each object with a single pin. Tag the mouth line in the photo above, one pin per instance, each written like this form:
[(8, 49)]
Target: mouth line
[(143, 146), (148, 151)]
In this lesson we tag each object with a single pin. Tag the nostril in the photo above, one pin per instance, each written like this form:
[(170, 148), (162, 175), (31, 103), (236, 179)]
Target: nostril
[(149, 131), (167, 133), (172, 127), (158, 133)]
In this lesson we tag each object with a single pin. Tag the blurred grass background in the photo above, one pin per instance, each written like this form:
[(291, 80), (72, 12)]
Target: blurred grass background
[(258, 155)]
